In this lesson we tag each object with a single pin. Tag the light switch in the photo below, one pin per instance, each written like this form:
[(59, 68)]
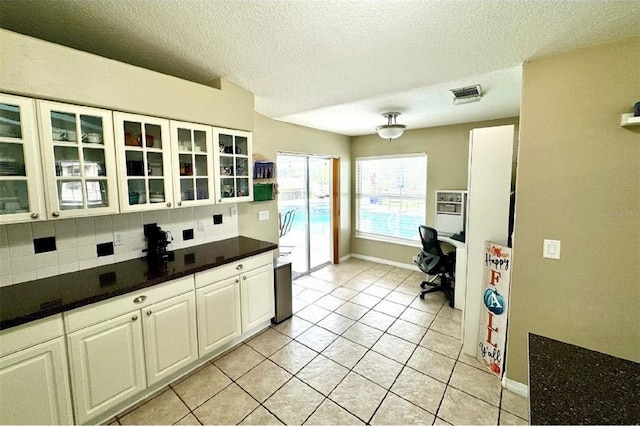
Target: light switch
[(263, 215), (551, 249)]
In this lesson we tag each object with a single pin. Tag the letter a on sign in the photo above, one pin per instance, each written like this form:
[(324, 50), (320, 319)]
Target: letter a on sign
[(494, 306)]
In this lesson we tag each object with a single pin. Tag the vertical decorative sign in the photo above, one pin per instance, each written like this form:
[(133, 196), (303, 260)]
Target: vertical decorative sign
[(492, 333)]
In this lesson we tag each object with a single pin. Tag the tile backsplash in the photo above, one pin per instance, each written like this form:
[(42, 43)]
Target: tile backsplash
[(41, 249)]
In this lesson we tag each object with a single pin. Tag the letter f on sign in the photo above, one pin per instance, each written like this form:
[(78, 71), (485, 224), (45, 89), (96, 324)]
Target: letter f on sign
[(495, 277)]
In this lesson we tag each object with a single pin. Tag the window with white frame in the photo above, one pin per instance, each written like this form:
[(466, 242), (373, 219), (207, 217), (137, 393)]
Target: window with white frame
[(391, 197)]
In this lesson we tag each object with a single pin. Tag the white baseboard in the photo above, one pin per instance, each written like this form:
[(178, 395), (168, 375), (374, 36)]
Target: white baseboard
[(343, 258), (515, 387), (411, 266)]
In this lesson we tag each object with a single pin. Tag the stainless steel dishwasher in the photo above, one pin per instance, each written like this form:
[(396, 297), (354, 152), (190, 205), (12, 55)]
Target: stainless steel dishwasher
[(283, 291)]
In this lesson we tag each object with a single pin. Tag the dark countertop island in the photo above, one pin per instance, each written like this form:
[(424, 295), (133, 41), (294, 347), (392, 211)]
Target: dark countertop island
[(24, 302), (569, 384)]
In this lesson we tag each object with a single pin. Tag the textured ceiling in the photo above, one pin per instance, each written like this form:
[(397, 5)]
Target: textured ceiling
[(336, 64)]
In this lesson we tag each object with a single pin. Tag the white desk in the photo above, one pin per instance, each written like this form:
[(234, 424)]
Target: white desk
[(461, 270)]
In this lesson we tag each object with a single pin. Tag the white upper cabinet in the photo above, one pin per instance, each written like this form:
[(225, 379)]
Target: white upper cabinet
[(144, 162), (21, 193), (79, 160), (233, 166), (61, 161), (192, 164)]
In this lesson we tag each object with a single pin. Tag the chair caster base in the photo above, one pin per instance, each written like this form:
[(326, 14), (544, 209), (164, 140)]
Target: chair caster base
[(425, 284), (422, 295)]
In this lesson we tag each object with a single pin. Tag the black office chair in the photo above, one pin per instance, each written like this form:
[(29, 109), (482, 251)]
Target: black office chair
[(433, 261)]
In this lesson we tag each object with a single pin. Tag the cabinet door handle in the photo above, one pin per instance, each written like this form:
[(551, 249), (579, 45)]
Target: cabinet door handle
[(35, 215), (239, 267), (244, 277), (55, 214), (179, 203), (168, 204), (237, 280), (149, 313), (140, 299), (134, 318)]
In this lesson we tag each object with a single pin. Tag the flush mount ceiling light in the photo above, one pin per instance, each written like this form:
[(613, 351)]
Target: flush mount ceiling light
[(391, 130)]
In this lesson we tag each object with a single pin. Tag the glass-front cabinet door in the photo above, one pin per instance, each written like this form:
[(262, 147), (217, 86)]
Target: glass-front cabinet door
[(192, 160), (144, 162), (21, 194), (233, 166), (79, 160)]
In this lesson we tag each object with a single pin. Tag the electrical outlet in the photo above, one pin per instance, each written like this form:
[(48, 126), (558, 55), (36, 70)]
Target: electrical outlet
[(233, 211), (201, 225), (118, 239), (263, 215)]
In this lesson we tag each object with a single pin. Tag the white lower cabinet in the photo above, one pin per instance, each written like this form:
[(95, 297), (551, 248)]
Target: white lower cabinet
[(107, 364), (116, 358), (218, 314), (34, 386), (118, 348), (233, 299), (170, 336), (257, 296)]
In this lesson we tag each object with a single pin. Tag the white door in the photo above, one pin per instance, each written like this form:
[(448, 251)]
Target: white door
[(107, 364), (170, 336), (257, 297), (218, 314), (489, 187), (35, 387)]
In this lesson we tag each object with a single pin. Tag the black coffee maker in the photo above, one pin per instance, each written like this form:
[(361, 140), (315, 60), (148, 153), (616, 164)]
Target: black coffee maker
[(157, 242)]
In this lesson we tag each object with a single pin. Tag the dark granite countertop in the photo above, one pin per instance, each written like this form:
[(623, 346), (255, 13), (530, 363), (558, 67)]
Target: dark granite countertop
[(569, 384), (24, 302)]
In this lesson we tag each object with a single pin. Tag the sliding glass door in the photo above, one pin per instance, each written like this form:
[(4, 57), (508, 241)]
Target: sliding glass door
[(319, 211), (304, 205)]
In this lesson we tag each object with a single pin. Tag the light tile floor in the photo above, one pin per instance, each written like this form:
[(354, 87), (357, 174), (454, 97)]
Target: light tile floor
[(361, 348)]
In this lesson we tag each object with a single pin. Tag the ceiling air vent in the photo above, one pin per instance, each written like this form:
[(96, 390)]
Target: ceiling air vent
[(467, 94)]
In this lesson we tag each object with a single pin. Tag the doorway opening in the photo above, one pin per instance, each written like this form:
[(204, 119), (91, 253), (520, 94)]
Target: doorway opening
[(305, 210)]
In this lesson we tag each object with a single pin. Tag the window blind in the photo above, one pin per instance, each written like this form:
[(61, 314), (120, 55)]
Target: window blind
[(391, 196)]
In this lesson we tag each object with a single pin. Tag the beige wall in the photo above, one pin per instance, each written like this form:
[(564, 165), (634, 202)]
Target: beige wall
[(271, 136), (40, 69), (447, 149), (578, 182)]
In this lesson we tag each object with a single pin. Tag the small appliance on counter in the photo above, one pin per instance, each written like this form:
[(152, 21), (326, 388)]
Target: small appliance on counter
[(157, 242)]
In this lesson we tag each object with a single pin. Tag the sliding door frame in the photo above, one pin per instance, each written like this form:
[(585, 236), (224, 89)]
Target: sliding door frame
[(334, 191)]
